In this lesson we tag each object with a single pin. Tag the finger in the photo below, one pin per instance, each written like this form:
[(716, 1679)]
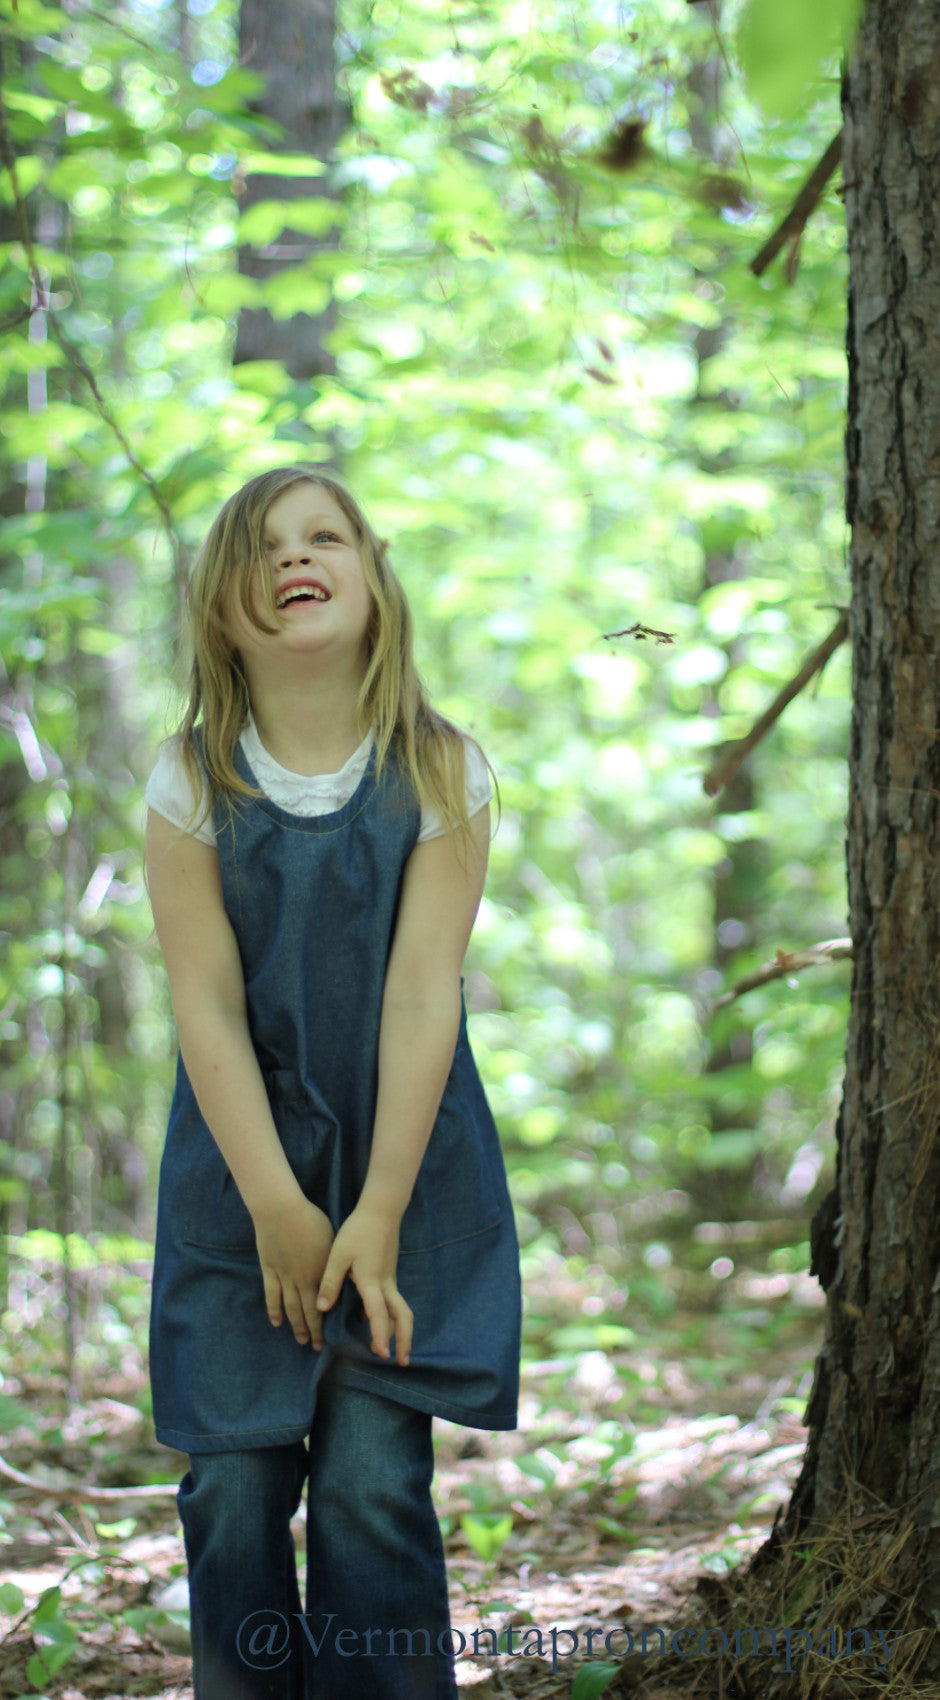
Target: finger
[(402, 1325), (380, 1322), (331, 1281), (294, 1306), (272, 1296), (313, 1319)]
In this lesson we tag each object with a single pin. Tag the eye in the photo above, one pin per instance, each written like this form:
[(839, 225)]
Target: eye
[(330, 534)]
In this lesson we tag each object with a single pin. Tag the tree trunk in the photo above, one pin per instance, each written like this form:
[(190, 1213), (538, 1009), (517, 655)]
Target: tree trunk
[(868, 1496), (875, 1407), (291, 45)]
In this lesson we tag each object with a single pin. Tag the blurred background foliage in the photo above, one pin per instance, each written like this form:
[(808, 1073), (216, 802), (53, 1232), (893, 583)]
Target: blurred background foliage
[(572, 408)]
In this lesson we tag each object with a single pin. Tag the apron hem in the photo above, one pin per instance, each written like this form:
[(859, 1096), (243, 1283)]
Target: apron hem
[(179, 1441), (433, 1404)]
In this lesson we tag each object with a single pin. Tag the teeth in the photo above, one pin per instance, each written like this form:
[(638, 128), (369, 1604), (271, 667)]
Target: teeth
[(302, 590)]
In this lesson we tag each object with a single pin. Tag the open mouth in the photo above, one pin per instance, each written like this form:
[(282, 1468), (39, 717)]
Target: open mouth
[(301, 593)]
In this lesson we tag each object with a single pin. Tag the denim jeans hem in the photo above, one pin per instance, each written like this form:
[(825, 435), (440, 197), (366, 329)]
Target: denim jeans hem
[(377, 1620)]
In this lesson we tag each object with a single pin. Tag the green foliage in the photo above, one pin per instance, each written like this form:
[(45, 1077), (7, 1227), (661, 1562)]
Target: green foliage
[(592, 1680), (11, 1599), (146, 1618), (55, 1637), (782, 49), (519, 396), (487, 1533)]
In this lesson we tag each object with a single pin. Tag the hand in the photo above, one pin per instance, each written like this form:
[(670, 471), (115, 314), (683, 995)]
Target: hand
[(294, 1241), (366, 1249)]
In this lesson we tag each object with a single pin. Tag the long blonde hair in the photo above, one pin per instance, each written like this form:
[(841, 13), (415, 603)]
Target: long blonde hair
[(392, 700)]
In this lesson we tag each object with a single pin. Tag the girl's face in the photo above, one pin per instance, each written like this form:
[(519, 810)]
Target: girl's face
[(315, 571)]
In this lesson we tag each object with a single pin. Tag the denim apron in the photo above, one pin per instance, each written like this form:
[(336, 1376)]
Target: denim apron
[(313, 903)]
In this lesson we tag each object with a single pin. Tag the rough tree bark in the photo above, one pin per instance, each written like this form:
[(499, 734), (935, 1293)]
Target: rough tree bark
[(874, 1413), (291, 45), (876, 1403)]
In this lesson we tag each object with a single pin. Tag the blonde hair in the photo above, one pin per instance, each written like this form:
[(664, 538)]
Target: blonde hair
[(392, 700)]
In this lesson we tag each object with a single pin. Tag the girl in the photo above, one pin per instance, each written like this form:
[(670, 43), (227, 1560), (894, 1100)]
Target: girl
[(335, 1258)]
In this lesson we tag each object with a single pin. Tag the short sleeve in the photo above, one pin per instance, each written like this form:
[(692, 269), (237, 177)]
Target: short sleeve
[(479, 791), (169, 792)]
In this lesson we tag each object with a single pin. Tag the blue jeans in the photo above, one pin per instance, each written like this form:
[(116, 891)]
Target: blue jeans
[(377, 1623)]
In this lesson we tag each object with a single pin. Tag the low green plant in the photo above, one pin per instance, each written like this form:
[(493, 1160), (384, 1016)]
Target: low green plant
[(487, 1533), (593, 1680), (53, 1635)]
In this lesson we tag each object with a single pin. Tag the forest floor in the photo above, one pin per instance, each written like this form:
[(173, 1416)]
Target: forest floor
[(636, 1472)]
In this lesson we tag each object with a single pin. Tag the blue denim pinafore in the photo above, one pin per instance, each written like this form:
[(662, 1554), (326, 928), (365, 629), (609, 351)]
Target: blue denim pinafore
[(313, 902)]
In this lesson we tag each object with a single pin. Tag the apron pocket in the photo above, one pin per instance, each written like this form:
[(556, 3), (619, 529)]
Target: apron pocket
[(461, 1185), (218, 1219)]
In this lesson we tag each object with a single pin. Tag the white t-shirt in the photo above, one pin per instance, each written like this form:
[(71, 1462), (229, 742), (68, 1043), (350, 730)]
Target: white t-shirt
[(170, 793)]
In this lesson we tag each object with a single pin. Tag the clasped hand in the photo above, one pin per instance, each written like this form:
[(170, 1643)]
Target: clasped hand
[(304, 1265)]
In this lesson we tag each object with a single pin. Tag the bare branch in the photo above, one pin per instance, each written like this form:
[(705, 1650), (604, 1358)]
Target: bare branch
[(79, 1492), (787, 962), (805, 204), (641, 633), (727, 767)]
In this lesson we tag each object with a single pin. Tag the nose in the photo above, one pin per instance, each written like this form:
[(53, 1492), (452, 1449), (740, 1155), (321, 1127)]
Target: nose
[(300, 556)]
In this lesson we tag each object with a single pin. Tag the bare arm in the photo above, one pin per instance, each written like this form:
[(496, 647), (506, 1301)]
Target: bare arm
[(440, 897), (207, 990)]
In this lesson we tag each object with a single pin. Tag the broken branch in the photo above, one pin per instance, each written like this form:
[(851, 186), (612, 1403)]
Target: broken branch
[(785, 963), (725, 770), (805, 204)]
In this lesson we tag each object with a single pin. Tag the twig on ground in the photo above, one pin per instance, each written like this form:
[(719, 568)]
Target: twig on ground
[(80, 1493)]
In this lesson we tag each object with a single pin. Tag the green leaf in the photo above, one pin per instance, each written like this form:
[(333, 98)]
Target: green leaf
[(619, 1531), (144, 1617), (234, 90), (48, 1608), (275, 164), (539, 1468), (99, 640), (36, 1672), (487, 1534), (50, 432), (30, 170), (21, 100), (12, 1599), (33, 18), (73, 172), (591, 1680), (56, 1636), (59, 80), (311, 215), (782, 47), (228, 292), (294, 290), (54, 1653), (120, 1531)]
